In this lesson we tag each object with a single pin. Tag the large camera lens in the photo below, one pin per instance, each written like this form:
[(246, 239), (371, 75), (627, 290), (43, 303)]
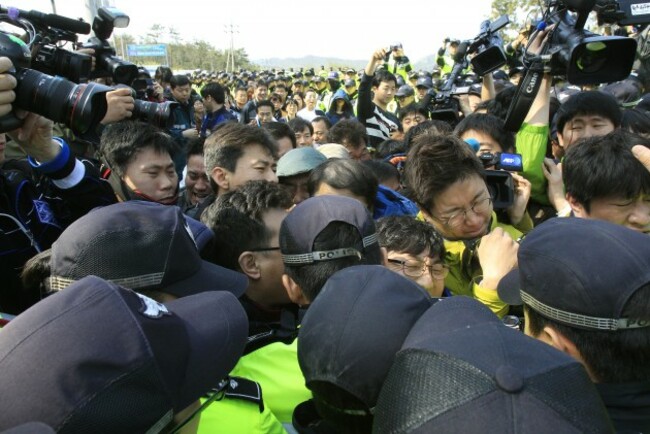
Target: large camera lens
[(122, 72), (79, 106), (158, 114)]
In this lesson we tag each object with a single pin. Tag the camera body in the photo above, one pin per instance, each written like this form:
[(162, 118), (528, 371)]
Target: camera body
[(107, 64), (499, 182), (584, 57), (79, 106), (488, 47)]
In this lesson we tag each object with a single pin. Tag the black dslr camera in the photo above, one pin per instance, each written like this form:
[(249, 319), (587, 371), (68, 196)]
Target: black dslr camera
[(108, 65), (79, 106)]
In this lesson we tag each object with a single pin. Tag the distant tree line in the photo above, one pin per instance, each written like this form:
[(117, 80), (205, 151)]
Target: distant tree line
[(198, 54)]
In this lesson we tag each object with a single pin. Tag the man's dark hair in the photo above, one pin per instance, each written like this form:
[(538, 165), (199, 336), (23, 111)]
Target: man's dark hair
[(312, 277), (195, 147), (490, 125), (347, 132), (636, 121), (279, 85), (241, 89), (383, 76), (280, 130), (435, 162), (345, 174), (411, 109), (322, 119), (225, 146), (434, 125), (236, 218), (264, 103), (604, 167), (122, 141), (299, 124), (621, 356), (390, 147), (164, 74), (179, 80), (498, 106), (405, 234), (215, 90), (261, 83), (382, 170), (593, 103)]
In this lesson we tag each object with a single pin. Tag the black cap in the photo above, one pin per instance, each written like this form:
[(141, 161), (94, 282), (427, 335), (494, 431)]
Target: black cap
[(461, 370), (580, 272), (424, 82), (352, 331), (308, 219), (101, 358), (405, 90), (139, 245)]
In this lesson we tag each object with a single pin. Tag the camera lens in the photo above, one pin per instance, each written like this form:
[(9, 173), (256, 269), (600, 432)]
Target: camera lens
[(122, 72), (158, 114), (78, 106)]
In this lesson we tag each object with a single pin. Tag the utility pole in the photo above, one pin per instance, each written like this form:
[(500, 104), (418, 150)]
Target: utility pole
[(230, 58)]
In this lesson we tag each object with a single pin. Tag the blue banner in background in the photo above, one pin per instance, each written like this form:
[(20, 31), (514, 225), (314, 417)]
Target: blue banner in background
[(156, 50)]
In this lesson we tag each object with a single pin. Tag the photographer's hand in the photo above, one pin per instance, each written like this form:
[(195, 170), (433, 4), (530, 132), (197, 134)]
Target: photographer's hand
[(120, 105), (7, 85), (553, 174), (539, 41), (190, 133), (35, 137), (517, 210), (375, 60), (158, 92), (497, 255), (642, 154)]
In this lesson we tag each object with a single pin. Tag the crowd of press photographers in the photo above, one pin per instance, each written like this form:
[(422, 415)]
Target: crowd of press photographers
[(329, 252)]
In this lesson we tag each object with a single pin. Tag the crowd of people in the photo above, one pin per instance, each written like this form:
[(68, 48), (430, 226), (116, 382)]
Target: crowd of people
[(330, 252)]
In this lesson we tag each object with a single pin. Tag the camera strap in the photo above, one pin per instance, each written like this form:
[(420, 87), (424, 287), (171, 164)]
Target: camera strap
[(524, 97)]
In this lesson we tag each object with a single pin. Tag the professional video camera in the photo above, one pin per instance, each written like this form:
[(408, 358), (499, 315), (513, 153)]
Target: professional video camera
[(572, 52), (108, 65), (79, 106), (622, 12), (584, 57), (499, 182), (488, 47)]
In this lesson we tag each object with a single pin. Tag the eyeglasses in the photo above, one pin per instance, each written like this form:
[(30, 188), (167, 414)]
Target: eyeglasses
[(265, 249), (418, 268), (481, 206)]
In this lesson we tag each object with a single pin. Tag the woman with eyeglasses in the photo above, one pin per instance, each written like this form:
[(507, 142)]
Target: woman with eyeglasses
[(289, 110)]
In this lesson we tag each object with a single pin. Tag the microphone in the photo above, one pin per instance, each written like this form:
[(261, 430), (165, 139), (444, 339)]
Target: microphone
[(51, 20)]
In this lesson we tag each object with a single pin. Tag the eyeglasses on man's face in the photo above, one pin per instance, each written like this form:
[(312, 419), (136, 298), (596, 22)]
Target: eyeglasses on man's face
[(456, 219), (418, 268)]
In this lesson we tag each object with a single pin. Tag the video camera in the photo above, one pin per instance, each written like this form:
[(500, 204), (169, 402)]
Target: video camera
[(572, 52), (489, 56), (499, 182), (81, 106), (622, 12), (584, 57), (488, 47)]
